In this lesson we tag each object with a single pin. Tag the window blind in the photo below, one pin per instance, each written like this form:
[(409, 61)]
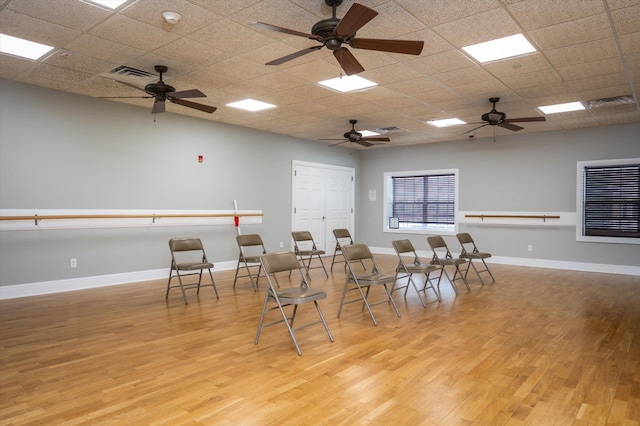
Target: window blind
[(612, 201), (428, 199)]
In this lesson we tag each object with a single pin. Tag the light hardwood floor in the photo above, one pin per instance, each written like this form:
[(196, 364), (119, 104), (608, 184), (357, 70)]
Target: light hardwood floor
[(538, 347)]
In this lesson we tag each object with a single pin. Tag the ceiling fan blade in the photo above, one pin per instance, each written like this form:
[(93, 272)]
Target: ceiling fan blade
[(510, 126), (340, 139), (475, 128), (525, 119), (125, 97), (294, 55), (376, 139), (284, 30), (339, 143), (410, 47), (347, 61), (355, 18), (158, 107), (364, 143), (193, 93), (194, 105)]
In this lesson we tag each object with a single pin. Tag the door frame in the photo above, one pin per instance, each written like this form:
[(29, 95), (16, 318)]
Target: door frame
[(295, 163)]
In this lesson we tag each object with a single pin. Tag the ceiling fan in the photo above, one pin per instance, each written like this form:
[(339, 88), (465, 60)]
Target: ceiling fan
[(162, 92), (334, 32), (497, 118), (354, 136)]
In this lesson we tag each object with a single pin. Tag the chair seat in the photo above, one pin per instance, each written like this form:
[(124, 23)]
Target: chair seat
[(252, 259), (475, 255), (311, 252), (193, 266), (446, 262), (300, 295), (419, 269), (375, 278)]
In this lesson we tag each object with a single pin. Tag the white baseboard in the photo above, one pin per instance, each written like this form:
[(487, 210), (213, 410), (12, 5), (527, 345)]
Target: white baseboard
[(59, 286), (72, 284), (540, 263)]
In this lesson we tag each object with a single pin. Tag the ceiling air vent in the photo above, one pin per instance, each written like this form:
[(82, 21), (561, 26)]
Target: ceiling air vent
[(390, 129), (612, 101), (127, 74)]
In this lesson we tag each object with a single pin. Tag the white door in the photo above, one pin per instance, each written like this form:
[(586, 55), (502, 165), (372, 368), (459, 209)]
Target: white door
[(323, 197)]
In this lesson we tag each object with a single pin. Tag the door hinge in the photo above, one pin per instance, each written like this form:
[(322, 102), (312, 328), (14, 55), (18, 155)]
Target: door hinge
[(295, 210)]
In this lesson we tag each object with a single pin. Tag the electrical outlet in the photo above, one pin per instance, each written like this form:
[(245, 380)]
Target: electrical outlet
[(530, 247), (281, 244), (73, 263)]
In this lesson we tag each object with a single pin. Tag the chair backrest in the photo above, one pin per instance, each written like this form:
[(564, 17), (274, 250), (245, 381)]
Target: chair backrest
[(355, 252), (185, 244), (302, 240), (342, 234), (185, 250), (439, 247), (467, 243), (359, 253), (249, 240), (280, 262), (403, 246), (300, 236), (285, 261), (464, 238)]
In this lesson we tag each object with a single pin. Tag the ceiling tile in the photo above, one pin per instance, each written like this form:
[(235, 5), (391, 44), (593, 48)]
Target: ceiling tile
[(442, 11), (139, 34), (463, 76), (193, 16), (583, 53), (440, 62), (34, 29), (626, 20), (591, 28), (485, 26), (532, 14), (519, 65), (56, 12)]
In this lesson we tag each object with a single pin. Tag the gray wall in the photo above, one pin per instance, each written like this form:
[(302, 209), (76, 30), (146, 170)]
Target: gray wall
[(516, 173), (59, 150), (65, 151)]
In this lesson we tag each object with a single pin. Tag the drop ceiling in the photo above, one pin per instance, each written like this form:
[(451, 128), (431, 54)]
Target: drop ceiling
[(587, 50)]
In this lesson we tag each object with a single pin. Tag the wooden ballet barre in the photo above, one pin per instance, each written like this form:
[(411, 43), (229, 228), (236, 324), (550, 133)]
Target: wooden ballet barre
[(153, 217), (513, 216)]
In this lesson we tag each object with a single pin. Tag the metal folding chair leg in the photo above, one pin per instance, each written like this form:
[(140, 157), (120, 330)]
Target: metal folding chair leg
[(406, 288)]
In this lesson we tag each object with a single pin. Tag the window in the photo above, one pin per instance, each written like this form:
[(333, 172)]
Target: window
[(609, 201), (421, 201)]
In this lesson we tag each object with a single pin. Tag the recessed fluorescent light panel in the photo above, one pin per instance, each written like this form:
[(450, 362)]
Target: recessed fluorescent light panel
[(111, 4), (21, 47), (348, 83), (251, 105), (553, 109), (446, 123), (501, 48)]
